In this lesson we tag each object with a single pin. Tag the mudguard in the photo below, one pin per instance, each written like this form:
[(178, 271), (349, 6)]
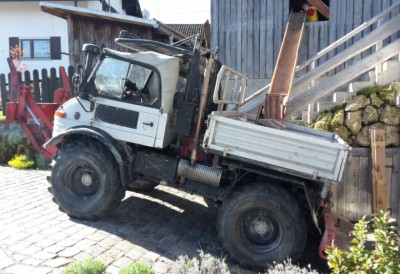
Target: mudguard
[(103, 137)]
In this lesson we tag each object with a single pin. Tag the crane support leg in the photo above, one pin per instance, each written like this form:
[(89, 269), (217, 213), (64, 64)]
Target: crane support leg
[(285, 67)]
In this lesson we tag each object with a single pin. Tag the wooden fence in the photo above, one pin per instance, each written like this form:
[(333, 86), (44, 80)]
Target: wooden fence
[(352, 197), (44, 84)]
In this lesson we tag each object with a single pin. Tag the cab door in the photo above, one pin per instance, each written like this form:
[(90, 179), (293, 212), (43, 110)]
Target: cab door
[(127, 105)]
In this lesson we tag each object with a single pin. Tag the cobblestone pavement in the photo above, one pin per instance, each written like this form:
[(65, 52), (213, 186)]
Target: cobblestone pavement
[(35, 237)]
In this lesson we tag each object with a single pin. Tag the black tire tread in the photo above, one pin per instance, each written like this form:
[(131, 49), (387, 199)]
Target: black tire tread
[(262, 191), (101, 154)]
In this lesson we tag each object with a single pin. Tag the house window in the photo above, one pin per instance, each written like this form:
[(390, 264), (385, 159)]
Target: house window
[(42, 48), (36, 48)]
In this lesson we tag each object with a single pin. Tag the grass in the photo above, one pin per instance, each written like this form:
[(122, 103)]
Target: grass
[(137, 268), (201, 264), (89, 266)]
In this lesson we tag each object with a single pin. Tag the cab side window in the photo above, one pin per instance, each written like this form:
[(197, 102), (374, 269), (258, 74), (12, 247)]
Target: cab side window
[(143, 85), (129, 82)]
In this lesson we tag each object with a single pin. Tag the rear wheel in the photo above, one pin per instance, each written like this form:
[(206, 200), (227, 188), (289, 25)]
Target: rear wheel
[(261, 223), (85, 180)]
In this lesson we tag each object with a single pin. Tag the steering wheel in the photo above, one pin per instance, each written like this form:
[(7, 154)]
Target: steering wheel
[(131, 90)]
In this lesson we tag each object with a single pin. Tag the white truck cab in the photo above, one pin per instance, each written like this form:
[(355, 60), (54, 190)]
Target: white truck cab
[(131, 98)]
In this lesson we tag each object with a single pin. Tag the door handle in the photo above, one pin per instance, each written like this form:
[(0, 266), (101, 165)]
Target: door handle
[(149, 124)]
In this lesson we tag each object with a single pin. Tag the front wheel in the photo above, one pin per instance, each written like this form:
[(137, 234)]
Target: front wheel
[(85, 180), (261, 223)]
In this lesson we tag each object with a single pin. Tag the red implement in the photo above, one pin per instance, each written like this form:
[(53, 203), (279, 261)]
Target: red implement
[(35, 118), (337, 232)]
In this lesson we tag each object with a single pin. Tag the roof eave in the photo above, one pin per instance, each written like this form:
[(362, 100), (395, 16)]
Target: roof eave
[(63, 11)]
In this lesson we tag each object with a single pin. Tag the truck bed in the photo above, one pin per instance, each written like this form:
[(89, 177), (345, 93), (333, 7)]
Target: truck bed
[(295, 150)]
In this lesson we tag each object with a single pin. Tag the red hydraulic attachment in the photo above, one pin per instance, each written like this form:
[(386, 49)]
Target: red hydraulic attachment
[(35, 118), (337, 230)]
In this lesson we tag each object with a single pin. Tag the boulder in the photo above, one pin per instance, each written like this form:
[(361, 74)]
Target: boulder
[(370, 115), (357, 102), (390, 115), (337, 119), (323, 121), (354, 121), (376, 101), (389, 97), (344, 133), (395, 87), (392, 137)]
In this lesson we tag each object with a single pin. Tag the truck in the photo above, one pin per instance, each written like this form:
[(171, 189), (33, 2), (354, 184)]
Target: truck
[(155, 113)]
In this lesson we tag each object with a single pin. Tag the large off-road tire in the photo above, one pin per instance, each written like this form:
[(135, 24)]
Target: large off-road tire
[(85, 180), (261, 223)]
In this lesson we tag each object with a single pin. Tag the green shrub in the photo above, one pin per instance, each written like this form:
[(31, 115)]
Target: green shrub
[(21, 162), (288, 268), (41, 161), (137, 268), (14, 142), (374, 248), (367, 91), (6, 151), (89, 266), (17, 137), (203, 264)]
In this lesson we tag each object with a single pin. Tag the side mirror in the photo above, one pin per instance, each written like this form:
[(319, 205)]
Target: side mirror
[(90, 50)]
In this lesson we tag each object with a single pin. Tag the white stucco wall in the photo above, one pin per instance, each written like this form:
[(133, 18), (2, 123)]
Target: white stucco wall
[(26, 20)]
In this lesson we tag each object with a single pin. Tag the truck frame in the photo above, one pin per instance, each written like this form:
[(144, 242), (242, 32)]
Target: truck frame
[(165, 114)]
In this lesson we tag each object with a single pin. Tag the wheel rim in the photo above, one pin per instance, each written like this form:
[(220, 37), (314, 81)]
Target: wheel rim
[(259, 230), (82, 180)]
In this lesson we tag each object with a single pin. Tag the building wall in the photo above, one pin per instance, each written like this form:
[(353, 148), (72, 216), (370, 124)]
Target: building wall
[(40, 25), (100, 32), (14, 17), (249, 33)]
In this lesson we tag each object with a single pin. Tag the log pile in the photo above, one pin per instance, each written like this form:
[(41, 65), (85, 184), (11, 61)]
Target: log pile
[(372, 108)]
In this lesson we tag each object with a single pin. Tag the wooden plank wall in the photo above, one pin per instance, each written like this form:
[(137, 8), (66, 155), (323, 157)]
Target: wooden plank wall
[(102, 33), (346, 15), (352, 198), (315, 38), (249, 34)]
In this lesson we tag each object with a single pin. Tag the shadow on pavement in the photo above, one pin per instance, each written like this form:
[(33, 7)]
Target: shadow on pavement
[(170, 226), (163, 223)]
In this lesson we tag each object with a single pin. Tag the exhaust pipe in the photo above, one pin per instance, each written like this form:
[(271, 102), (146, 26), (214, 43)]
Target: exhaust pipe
[(199, 173)]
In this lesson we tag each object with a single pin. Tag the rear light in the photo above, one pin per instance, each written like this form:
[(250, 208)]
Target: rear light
[(60, 113)]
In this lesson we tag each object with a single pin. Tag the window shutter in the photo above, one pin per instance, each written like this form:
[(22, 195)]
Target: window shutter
[(13, 41), (55, 48)]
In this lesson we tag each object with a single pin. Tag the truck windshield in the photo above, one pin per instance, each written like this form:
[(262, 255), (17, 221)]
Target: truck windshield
[(110, 77), (121, 79)]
